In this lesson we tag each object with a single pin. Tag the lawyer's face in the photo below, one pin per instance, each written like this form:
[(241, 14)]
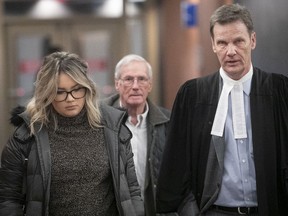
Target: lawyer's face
[(233, 46)]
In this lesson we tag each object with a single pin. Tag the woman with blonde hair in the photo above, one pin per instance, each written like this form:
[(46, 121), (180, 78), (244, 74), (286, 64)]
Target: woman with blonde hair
[(68, 155)]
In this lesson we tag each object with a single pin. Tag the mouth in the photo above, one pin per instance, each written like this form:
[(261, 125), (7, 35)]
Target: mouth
[(71, 107), (231, 62), (135, 95)]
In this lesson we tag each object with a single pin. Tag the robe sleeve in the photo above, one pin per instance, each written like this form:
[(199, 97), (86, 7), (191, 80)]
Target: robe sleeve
[(175, 173), (281, 115)]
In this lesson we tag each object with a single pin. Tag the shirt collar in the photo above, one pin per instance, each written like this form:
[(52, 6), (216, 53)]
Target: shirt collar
[(247, 83), (141, 117)]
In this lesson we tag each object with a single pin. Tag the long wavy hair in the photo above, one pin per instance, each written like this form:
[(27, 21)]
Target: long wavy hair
[(40, 109)]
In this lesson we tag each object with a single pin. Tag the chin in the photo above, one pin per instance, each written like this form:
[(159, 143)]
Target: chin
[(136, 101), (71, 114), (135, 104)]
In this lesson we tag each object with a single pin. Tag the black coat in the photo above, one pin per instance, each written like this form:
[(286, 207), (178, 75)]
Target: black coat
[(185, 158), (13, 171)]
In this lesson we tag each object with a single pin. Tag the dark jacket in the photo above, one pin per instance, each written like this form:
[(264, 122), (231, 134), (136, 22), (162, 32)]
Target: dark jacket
[(183, 184), (12, 172), (157, 122)]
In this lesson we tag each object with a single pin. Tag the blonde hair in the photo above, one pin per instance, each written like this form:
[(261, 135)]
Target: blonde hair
[(40, 109)]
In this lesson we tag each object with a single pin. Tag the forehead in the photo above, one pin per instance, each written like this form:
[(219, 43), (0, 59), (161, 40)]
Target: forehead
[(233, 29), (65, 81), (134, 68)]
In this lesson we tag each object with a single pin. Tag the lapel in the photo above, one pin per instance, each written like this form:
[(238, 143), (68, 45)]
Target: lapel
[(43, 150), (214, 171), (214, 167)]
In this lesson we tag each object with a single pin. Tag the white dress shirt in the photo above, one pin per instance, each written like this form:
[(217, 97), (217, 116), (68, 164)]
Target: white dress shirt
[(139, 146), (238, 186)]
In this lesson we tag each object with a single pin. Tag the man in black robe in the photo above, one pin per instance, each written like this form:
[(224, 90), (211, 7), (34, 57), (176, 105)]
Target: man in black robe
[(226, 152)]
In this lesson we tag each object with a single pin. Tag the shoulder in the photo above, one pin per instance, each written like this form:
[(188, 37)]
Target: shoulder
[(165, 111), (112, 100), (263, 75), (269, 82), (111, 114), (115, 119), (17, 119), (204, 82), (203, 88), (157, 113)]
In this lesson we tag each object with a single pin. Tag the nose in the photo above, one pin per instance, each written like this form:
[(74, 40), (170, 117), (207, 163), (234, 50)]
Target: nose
[(135, 83), (231, 50), (70, 97)]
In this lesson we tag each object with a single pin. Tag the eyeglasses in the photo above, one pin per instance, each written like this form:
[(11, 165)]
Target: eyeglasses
[(129, 80), (75, 93)]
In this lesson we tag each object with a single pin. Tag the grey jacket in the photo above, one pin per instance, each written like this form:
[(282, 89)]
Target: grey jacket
[(157, 123), (12, 172)]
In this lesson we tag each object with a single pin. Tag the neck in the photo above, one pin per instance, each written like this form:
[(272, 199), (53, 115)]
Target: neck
[(133, 111), (228, 80)]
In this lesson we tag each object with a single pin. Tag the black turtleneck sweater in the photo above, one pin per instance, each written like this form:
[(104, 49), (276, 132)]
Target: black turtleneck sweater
[(81, 180)]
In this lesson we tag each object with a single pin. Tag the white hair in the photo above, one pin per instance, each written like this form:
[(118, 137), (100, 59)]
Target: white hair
[(127, 60)]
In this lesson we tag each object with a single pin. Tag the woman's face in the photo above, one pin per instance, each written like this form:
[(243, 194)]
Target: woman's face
[(70, 106)]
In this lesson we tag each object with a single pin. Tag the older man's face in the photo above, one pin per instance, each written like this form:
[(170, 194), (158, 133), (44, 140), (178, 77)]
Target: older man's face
[(134, 85)]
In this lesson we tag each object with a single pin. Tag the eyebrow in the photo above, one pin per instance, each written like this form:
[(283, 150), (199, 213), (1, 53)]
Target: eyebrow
[(64, 89), (130, 76)]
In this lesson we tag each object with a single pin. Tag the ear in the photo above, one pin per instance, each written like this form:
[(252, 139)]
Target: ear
[(116, 82), (253, 40), (150, 86), (213, 46)]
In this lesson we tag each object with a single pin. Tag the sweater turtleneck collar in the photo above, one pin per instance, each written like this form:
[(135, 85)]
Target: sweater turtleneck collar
[(79, 119)]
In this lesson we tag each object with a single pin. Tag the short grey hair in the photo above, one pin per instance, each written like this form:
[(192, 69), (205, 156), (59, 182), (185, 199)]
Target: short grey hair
[(231, 13), (127, 60)]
